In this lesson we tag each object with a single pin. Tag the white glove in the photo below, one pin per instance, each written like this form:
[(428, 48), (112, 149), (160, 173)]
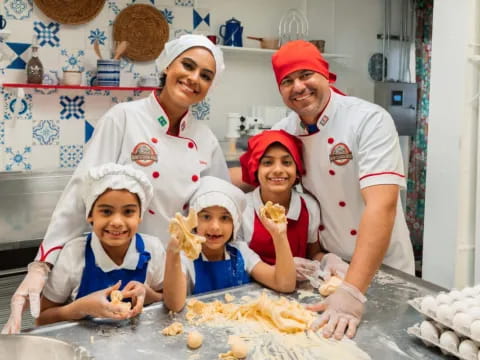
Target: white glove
[(305, 267), (332, 264), (28, 292)]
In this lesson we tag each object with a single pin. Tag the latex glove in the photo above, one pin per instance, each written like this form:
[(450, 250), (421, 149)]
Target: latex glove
[(96, 304), (27, 293), (332, 264), (305, 267), (136, 291), (342, 311)]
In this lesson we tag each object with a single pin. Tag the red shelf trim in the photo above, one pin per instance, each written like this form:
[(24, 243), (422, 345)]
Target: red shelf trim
[(76, 87)]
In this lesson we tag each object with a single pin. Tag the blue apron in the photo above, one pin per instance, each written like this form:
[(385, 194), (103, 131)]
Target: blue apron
[(94, 279), (214, 275)]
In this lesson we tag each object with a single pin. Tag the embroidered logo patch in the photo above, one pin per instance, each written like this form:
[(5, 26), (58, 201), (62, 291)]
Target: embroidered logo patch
[(143, 154), (341, 154), (162, 120), (324, 120)]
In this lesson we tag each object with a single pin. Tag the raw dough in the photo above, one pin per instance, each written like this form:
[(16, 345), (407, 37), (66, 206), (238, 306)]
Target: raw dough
[(181, 227), (429, 331), (468, 349), (116, 298), (238, 347), (281, 314), (462, 321), (330, 286), (449, 340), (275, 212), (445, 312), (174, 329), (443, 298), (229, 297), (475, 329), (429, 305), (194, 340)]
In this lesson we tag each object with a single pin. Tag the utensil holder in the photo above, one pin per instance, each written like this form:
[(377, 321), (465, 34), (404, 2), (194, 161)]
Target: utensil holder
[(108, 72)]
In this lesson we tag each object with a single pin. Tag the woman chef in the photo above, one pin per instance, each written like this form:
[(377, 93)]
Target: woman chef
[(157, 135)]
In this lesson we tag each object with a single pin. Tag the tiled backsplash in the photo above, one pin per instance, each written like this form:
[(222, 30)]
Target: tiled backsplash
[(48, 129)]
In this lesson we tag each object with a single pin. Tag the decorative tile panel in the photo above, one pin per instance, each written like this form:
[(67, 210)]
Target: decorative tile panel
[(70, 155), (168, 15), (47, 34), (185, 3), (201, 19), (17, 159), (10, 109), (72, 108), (179, 32), (73, 60), (19, 58), (98, 35), (18, 9), (201, 111), (2, 132), (46, 132)]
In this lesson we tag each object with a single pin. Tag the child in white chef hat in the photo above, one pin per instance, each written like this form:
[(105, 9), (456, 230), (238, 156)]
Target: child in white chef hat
[(226, 261), (112, 257)]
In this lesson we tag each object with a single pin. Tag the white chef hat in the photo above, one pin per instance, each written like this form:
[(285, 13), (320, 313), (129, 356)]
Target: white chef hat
[(175, 47), (116, 177), (213, 191)]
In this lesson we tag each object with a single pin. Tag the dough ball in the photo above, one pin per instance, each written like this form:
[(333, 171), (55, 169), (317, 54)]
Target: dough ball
[(238, 347), (462, 321), (443, 298), (329, 287), (429, 331), (469, 291), (194, 340), (116, 297), (474, 312), (429, 305), (449, 340), (456, 295), (445, 312), (475, 329), (468, 349)]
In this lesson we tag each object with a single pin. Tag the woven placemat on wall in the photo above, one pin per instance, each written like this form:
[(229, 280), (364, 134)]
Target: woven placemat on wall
[(70, 11), (145, 29)]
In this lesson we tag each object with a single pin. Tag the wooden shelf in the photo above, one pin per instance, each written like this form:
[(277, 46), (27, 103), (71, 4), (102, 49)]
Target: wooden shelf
[(77, 87), (236, 49)]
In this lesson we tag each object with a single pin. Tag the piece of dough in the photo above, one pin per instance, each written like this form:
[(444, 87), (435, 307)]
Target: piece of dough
[(275, 212), (194, 340), (330, 286), (229, 297), (238, 347), (116, 298), (181, 227), (173, 329)]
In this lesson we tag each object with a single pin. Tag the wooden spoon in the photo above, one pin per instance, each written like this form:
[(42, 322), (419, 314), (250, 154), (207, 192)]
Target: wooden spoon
[(96, 48), (120, 49)]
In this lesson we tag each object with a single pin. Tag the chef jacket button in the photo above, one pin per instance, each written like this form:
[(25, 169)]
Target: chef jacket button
[(195, 178), (190, 145), (154, 140), (155, 174), (331, 172), (353, 232), (321, 227), (330, 140), (342, 203), (151, 211)]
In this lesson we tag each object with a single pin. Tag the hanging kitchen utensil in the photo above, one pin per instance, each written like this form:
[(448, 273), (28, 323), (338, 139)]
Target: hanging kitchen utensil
[(293, 26), (96, 48), (120, 49), (266, 43), (70, 11), (145, 29)]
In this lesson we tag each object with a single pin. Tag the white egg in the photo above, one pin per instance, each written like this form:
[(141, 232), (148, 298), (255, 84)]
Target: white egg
[(475, 329), (469, 291), (449, 340), (429, 331), (459, 306), (468, 349), (462, 321), (456, 295), (445, 313), (475, 312), (443, 298), (476, 289), (429, 305)]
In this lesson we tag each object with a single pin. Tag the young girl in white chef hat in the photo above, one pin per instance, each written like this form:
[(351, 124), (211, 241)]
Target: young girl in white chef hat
[(225, 261), (113, 256), (157, 135)]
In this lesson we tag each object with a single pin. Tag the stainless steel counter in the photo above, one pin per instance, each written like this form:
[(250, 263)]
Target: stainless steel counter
[(382, 333)]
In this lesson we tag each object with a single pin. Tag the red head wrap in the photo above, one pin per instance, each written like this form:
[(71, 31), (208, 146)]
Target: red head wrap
[(300, 55), (258, 144)]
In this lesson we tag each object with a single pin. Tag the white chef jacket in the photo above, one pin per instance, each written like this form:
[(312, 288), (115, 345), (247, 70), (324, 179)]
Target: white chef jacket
[(65, 278), (135, 133), (357, 146), (254, 203)]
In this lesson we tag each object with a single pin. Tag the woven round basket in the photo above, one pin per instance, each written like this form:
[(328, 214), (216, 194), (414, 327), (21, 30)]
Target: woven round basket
[(70, 11), (145, 29)]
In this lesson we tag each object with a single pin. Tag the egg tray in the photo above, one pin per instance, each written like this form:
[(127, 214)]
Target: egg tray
[(416, 304), (415, 331)]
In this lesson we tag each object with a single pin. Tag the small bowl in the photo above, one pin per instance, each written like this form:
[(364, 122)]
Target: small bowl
[(320, 44), (72, 77)]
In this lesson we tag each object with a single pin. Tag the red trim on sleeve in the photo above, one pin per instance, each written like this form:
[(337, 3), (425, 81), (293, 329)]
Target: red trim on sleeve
[(382, 173), (43, 255)]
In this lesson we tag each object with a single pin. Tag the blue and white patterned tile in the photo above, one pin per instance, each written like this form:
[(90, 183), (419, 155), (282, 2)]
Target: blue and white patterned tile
[(18, 9), (72, 107), (19, 55), (46, 132), (97, 35), (47, 34), (184, 3), (45, 157), (10, 109), (72, 132), (17, 159), (179, 32), (201, 20), (201, 111), (89, 129), (167, 13), (45, 107), (2, 132), (70, 155), (73, 59)]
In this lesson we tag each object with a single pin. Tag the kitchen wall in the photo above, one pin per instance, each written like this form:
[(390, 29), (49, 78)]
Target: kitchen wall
[(51, 127)]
